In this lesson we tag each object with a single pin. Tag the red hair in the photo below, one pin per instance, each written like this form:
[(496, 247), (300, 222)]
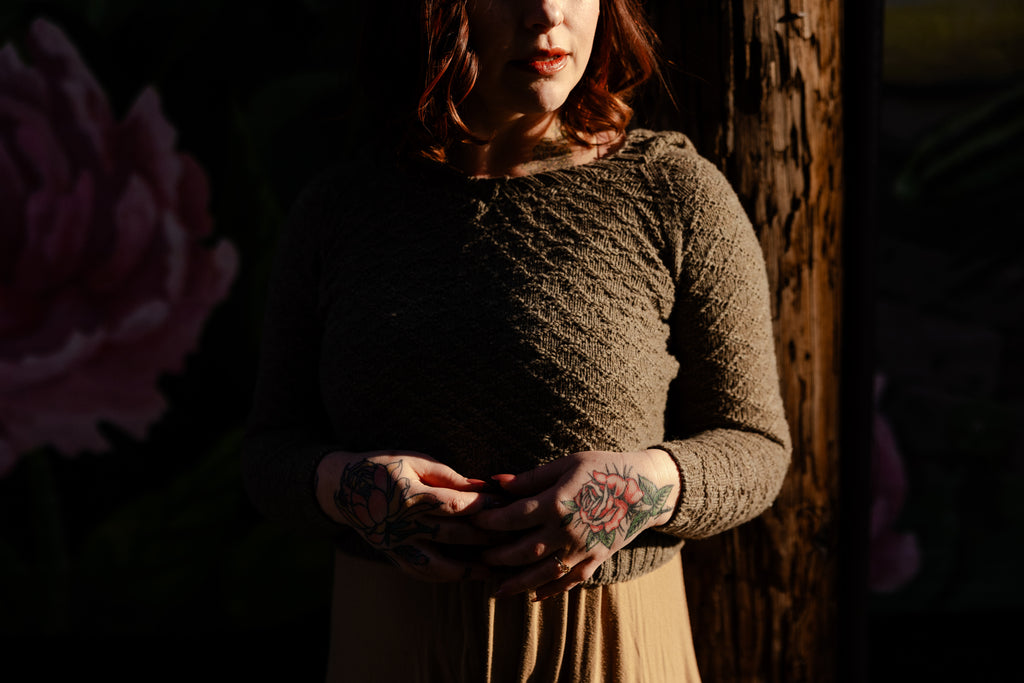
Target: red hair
[(623, 58)]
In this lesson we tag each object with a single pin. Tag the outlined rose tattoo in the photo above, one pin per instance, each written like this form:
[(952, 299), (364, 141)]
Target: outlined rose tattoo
[(611, 502), (374, 499)]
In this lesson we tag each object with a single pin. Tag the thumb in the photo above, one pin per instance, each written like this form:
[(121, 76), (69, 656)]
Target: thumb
[(533, 481)]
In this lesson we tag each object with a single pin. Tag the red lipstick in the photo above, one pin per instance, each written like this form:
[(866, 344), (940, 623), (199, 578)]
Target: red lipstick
[(545, 62)]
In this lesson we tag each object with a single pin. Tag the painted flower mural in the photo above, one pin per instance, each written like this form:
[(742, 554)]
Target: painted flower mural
[(106, 275)]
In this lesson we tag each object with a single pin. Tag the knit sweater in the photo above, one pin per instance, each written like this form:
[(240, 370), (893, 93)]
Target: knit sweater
[(497, 324)]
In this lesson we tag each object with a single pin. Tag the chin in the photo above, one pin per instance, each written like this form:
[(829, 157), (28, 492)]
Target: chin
[(546, 100)]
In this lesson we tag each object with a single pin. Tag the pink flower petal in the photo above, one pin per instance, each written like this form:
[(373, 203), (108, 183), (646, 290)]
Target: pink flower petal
[(54, 55), (144, 320), (12, 213), (105, 284), (62, 248), (135, 224), (194, 198), (148, 143), (31, 370), (30, 268), (47, 322), (894, 560), (889, 480), (18, 81), (67, 413), (38, 145), (176, 257), (88, 110)]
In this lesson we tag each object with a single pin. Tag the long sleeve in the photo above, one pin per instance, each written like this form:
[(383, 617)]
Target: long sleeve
[(725, 422), (288, 433)]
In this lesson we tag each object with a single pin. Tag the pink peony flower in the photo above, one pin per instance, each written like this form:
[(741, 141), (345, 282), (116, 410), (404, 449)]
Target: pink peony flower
[(894, 557), (105, 279)]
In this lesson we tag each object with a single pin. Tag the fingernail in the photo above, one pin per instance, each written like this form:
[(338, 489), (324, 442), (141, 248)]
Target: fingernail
[(477, 482), (503, 478)]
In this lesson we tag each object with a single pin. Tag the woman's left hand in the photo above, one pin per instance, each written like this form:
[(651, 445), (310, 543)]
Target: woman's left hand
[(574, 513)]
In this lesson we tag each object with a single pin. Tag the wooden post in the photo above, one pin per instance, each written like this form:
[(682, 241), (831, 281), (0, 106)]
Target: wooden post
[(757, 83)]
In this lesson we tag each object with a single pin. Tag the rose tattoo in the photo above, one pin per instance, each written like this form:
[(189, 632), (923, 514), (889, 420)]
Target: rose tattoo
[(611, 503), (374, 499)]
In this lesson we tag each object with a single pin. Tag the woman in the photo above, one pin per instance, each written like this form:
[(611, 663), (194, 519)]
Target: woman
[(523, 368)]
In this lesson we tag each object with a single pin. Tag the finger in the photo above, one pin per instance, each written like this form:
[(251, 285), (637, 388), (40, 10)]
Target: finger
[(518, 515), (459, 503), (566, 583), (533, 481), (545, 571), (460, 532), (527, 549)]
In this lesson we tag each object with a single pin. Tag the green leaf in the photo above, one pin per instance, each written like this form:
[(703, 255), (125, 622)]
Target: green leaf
[(638, 523), (647, 486), (571, 505), (660, 498), (606, 538), (592, 540), (567, 520)]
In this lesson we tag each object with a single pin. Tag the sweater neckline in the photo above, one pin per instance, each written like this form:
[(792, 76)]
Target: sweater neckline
[(637, 146)]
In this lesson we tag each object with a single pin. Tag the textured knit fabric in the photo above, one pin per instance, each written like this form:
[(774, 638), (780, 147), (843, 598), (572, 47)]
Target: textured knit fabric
[(635, 630), (498, 324)]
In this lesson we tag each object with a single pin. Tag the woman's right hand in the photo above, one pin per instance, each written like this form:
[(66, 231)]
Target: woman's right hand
[(409, 506)]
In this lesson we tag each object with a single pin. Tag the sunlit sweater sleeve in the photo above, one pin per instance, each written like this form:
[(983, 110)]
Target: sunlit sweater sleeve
[(726, 427)]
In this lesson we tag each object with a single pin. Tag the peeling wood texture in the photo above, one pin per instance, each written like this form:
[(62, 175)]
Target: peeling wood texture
[(757, 84)]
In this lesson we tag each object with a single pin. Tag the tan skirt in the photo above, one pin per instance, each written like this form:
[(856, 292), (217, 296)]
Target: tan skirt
[(387, 627)]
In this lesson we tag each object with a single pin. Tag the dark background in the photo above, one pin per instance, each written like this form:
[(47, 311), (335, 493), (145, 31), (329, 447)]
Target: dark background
[(148, 557), (949, 333)]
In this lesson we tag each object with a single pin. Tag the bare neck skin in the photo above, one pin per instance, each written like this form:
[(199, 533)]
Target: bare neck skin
[(524, 146)]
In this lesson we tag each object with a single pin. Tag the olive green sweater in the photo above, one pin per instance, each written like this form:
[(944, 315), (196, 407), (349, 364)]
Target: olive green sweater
[(497, 324)]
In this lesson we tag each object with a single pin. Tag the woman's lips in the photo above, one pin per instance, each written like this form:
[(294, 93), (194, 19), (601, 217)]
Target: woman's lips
[(544, 64)]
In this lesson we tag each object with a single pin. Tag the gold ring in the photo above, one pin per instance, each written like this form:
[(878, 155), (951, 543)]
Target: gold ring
[(563, 568)]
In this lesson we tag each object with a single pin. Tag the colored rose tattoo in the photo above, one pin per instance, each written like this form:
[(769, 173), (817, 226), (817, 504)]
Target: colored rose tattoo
[(611, 503), (374, 499)]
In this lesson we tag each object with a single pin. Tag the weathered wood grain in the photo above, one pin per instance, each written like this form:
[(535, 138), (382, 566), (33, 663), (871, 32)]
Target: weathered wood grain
[(757, 84)]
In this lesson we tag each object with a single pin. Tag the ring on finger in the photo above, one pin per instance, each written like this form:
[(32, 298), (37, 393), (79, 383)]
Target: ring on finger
[(563, 568)]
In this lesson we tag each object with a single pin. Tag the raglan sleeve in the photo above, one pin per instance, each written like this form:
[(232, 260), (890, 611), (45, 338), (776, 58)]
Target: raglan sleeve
[(287, 432), (725, 424)]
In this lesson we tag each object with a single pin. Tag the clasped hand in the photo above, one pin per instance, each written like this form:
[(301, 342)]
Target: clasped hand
[(546, 531), (572, 514)]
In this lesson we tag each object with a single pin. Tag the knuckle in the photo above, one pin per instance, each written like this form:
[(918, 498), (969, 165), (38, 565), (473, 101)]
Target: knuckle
[(454, 506), (537, 550)]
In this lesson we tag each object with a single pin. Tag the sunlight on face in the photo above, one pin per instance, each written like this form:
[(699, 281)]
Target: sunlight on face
[(531, 53)]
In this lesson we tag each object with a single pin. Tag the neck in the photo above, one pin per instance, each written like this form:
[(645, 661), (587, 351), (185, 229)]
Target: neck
[(523, 146)]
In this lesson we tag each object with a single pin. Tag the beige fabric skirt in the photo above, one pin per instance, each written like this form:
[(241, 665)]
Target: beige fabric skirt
[(387, 627)]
